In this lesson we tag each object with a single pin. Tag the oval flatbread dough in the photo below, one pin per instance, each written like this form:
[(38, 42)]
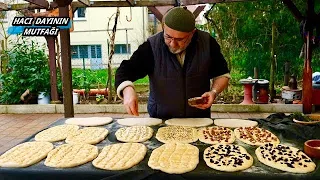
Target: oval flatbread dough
[(216, 134), (120, 156), (26, 154), (179, 134), (255, 136), (234, 123), (227, 157), (56, 133), (88, 135), (190, 122), (139, 121), (71, 155), (89, 121), (174, 158), (285, 158), (134, 134)]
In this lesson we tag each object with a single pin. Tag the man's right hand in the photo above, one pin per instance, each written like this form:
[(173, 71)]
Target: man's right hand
[(130, 100)]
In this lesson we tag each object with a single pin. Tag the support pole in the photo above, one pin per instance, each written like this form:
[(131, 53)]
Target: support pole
[(66, 66)]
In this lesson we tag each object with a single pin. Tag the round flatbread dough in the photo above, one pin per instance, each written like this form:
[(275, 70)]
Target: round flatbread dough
[(174, 158), (255, 136), (88, 135), (227, 157), (56, 133), (89, 121), (215, 135), (190, 122), (120, 156), (71, 155), (285, 158), (234, 123), (139, 121), (134, 134), (178, 134), (25, 154)]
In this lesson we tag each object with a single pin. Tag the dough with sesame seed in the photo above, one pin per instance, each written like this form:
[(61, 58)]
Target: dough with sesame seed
[(216, 134), (190, 122), (285, 158), (134, 134), (179, 134), (255, 136)]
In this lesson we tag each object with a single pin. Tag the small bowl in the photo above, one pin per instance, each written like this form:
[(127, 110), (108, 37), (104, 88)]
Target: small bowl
[(312, 148)]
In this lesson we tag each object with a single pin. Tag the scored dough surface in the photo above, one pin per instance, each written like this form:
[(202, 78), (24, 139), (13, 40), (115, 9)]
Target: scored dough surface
[(120, 156), (139, 121), (56, 133), (134, 134), (227, 157), (71, 155), (89, 121), (285, 158), (234, 123), (179, 134), (25, 154), (190, 122), (88, 135), (174, 158), (216, 134), (255, 136)]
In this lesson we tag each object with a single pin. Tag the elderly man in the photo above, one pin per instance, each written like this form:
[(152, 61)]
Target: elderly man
[(180, 62)]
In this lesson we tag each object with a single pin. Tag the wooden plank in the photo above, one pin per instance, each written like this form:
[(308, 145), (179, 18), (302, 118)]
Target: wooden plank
[(85, 2), (131, 2), (294, 10), (198, 11), (66, 66), (156, 13), (3, 6), (41, 3), (141, 3)]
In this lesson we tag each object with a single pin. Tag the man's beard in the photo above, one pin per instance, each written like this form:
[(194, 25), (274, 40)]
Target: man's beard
[(176, 51)]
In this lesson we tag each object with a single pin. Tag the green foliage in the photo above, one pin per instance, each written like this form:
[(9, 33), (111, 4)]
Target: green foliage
[(244, 32), (27, 69)]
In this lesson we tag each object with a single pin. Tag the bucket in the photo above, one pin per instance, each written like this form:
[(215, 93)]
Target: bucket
[(43, 98), (75, 98), (261, 91)]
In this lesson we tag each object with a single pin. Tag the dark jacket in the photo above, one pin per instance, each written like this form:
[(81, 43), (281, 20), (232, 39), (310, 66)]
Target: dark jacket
[(170, 84)]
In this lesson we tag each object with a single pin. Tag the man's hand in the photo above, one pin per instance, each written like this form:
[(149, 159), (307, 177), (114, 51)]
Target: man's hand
[(209, 99), (130, 101)]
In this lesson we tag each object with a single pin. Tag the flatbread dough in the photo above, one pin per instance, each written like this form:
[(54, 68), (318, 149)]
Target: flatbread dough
[(71, 155), (227, 157), (179, 134), (88, 135), (234, 123), (139, 121), (134, 134), (285, 158), (120, 156), (25, 154), (255, 136), (216, 134), (89, 121), (174, 158), (56, 133), (190, 122)]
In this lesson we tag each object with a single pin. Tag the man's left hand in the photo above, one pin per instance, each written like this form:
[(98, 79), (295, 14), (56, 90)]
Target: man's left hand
[(209, 99)]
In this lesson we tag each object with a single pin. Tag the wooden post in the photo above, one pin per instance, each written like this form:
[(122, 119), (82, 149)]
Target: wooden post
[(53, 69), (66, 66), (256, 73), (307, 77), (273, 63), (286, 73)]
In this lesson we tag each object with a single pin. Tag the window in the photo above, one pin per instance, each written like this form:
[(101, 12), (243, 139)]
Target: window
[(80, 13), (85, 51), (122, 49)]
